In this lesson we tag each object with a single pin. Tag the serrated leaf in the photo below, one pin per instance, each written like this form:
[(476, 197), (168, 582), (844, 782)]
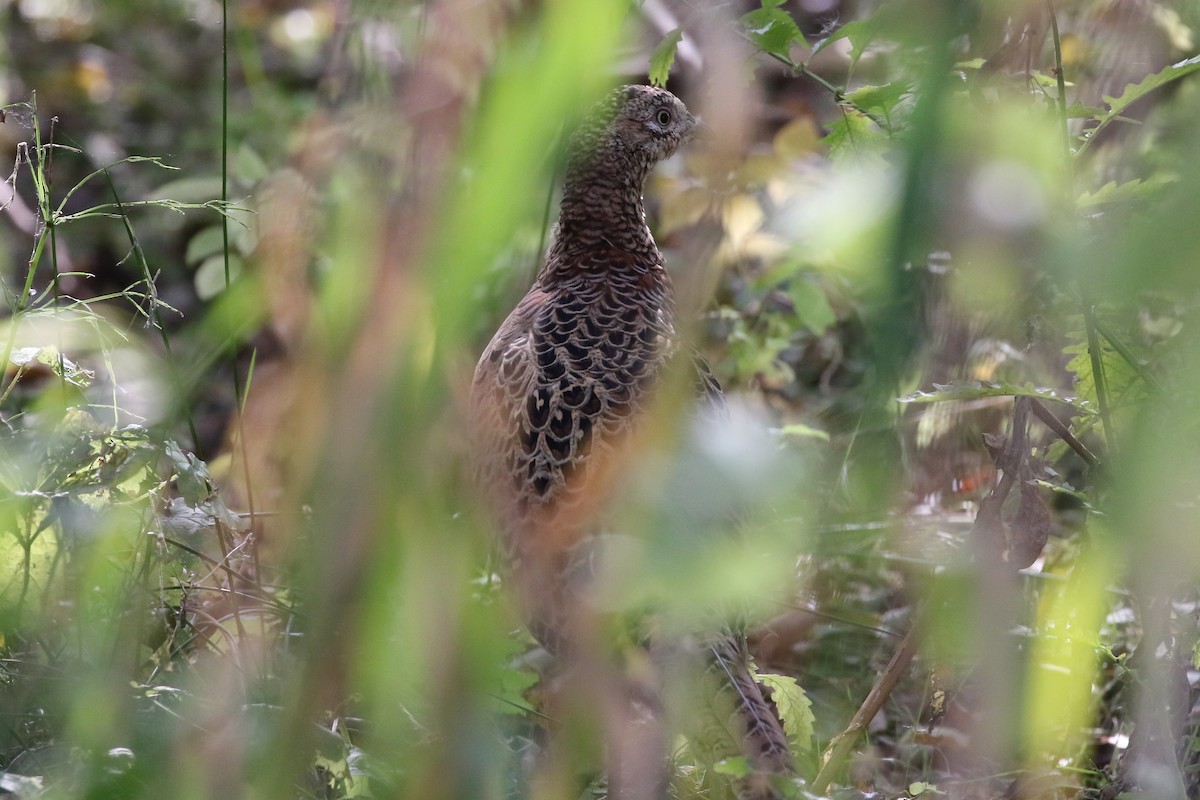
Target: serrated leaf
[(1124, 383), (772, 30), (1081, 111), (854, 137), (510, 689), (795, 709), (860, 33), (664, 56), (1136, 91), (974, 390), (884, 98), (1113, 192)]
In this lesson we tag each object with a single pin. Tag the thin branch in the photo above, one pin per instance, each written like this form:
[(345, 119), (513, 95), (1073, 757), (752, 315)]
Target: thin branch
[(1055, 424), (835, 756)]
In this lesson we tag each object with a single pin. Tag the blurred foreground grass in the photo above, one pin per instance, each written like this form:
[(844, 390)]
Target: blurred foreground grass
[(323, 619)]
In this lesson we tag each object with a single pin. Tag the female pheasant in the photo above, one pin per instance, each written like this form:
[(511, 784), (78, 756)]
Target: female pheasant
[(565, 383)]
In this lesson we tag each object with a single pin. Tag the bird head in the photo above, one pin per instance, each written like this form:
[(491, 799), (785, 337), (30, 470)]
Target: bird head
[(644, 123)]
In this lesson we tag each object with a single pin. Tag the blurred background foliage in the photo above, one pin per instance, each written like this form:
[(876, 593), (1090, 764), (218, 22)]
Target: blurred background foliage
[(941, 254)]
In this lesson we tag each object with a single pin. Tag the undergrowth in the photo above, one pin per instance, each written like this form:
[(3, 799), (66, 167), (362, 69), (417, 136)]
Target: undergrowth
[(959, 302)]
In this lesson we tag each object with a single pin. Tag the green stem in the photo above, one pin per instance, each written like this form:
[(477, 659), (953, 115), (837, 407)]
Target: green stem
[(839, 95), (1062, 80), (153, 310), (239, 391), (1125, 353), (1098, 378)]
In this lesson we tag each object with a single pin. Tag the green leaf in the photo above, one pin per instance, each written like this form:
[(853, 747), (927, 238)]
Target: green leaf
[(1122, 378), (772, 30), (191, 475), (974, 390), (249, 166), (1136, 91), (59, 364), (859, 33), (795, 709), (798, 430), (509, 691), (812, 307), (735, 766), (1080, 111), (210, 275), (1113, 192), (664, 56), (884, 98), (855, 138), (207, 242)]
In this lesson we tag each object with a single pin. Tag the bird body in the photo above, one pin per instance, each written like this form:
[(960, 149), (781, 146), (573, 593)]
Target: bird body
[(564, 385), (569, 374)]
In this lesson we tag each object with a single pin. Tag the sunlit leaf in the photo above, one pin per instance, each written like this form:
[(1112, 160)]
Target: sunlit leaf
[(1113, 192), (49, 357), (795, 709), (191, 475), (797, 139), (854, 137), (734, 766), (772, 30), (664, 56), (742, 216), (882, 98)]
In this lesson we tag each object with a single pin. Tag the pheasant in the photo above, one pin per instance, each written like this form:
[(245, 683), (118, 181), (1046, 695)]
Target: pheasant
[(563, 388)]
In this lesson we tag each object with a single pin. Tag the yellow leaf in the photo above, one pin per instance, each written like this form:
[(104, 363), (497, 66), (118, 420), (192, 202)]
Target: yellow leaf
[(742, 217), (796, 139), (682, 209)]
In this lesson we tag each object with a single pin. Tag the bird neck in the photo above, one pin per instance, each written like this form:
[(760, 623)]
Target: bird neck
[(602, 207)]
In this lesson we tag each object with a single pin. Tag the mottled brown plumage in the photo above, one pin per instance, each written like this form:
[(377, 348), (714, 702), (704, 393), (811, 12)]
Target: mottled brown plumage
[(565, 383)]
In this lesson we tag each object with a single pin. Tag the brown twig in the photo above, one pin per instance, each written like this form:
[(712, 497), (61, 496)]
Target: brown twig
[(1055, 424)]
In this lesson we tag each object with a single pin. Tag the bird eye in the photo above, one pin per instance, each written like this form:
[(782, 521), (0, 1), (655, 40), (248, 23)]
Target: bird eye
[(663, 117)]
